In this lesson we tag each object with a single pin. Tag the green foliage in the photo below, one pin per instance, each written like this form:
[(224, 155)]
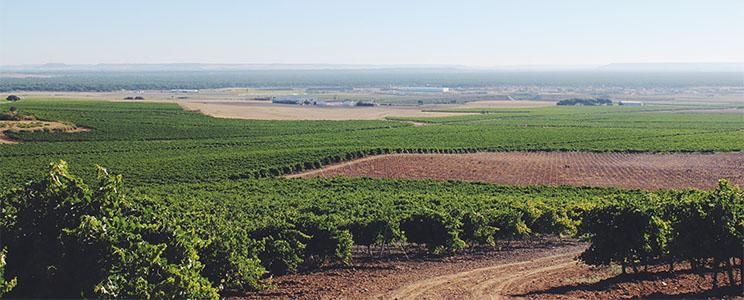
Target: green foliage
[(708, 225), (377, 230), (590, 102), (511, 225), (199, 239), (5, 284), (187, 147), (202, 221), (78, 242), (282, 246), (695, 226), (478, 229), (623, 232), (327, 242), (440, 232)]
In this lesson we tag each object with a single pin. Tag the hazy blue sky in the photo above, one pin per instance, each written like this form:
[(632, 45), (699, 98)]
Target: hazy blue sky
[(480, 33)]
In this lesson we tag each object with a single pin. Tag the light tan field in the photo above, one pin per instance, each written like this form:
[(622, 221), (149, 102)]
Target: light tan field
[(238, 104), (506, 104), (17, 126), (267, 111)]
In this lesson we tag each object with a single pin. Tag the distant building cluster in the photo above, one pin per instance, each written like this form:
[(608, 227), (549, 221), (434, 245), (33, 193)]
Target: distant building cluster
[(305, 100), (423, 89), (188, 91)]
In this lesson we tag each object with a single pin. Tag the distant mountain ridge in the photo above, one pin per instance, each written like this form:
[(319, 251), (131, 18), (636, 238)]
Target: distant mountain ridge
[(615, 67), (213, 67), (675, 67)]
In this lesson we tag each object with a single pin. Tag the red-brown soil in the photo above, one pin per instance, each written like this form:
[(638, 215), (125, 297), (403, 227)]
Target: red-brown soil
[(543, 270), (583, 282), (624, 170)]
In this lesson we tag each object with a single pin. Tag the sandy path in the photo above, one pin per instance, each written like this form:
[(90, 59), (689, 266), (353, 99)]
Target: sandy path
[(491, 282)]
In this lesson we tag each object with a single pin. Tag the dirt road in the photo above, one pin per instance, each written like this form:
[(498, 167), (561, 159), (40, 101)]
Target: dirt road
[(492, 282)]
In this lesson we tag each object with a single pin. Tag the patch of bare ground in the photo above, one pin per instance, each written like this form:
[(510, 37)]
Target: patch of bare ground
[(544, 269), (583, 282), (262, 110), (373, 277), (31, 126), (623, 170), (507, 104)]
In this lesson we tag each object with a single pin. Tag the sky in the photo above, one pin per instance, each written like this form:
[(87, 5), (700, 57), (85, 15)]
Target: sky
[(464, 32)]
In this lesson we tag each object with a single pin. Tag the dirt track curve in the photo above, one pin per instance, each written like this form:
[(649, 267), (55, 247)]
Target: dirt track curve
[(492, 282)]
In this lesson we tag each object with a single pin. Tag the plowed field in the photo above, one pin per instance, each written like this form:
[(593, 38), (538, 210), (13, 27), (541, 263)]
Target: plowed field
[(624, 170)]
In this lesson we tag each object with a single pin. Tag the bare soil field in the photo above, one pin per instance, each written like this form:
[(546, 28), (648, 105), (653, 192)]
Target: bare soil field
[(623, 170), (544, 269), (261, 110), (506, 104), (17, 126), (235, 103)]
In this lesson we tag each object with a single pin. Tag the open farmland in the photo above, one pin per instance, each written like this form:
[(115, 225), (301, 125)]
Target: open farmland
[(183, 146), (625, 170), (213, 187), (262, 110)]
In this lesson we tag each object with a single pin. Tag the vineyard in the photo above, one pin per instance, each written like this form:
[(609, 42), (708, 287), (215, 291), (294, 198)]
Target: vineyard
[(201, 211), (188, 147), (203, 239)]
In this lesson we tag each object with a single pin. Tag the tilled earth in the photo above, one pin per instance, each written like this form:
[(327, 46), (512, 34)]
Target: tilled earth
[(623, 170)]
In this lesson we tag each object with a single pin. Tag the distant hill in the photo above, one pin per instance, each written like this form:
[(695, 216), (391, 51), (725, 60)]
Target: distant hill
[(190, 67), (675, 67), (193, 67)]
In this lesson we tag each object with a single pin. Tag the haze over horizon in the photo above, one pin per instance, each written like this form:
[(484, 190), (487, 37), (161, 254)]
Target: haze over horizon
[(467, 33)]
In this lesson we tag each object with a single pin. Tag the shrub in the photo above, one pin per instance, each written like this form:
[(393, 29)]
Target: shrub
[(709, 226), (328, 242), (438, 231), (282, 246), (478, 229), (589, 102), (626, 232), (379, 230), (80, 242), (511, 225)]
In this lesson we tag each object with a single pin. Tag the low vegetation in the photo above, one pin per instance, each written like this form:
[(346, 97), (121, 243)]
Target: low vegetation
[(185, 146), (201, 213), (705, 229), (14, 115), (585, 102), (196, 240)]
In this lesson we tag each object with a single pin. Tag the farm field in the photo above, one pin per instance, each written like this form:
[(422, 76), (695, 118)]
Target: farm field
[(371, 150), (256, 110), (183, 146), (210, 190), (624, 170)]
